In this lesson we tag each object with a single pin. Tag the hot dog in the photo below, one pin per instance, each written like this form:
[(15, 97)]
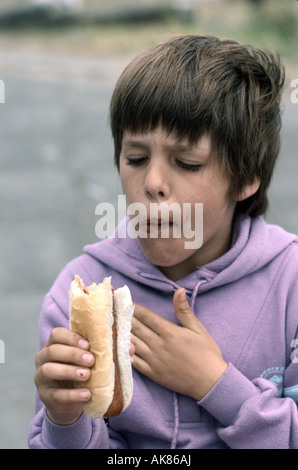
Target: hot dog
[(103, 316)]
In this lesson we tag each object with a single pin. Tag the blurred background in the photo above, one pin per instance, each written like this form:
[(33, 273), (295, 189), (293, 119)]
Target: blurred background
[(59, 61)]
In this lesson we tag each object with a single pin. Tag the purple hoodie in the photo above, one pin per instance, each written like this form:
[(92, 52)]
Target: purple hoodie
[(248, 301)]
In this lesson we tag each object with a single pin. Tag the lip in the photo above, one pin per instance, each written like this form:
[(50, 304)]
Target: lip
[(159, 222), (156, 226)]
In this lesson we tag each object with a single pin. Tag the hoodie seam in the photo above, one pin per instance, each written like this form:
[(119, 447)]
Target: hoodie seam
[(154, 277), (56, 304)]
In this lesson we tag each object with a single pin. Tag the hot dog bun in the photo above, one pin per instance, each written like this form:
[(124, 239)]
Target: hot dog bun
[(103, 316)]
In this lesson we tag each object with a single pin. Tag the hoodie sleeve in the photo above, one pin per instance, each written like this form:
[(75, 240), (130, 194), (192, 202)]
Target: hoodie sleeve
[(249, 413), (250, 416)]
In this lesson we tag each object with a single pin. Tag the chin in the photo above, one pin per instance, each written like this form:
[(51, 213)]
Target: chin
[(165, 254)]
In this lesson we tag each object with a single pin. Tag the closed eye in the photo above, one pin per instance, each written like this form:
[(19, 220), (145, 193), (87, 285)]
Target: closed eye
[(188, 166), (135, 161)]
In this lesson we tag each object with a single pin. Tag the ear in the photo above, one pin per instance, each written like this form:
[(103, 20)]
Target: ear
[(248, 190)]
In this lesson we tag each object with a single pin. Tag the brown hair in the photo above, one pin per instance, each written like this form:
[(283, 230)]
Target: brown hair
[(195, 85)]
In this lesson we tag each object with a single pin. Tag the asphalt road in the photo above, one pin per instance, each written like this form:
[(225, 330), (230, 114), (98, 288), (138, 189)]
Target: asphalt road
[(56, 165)]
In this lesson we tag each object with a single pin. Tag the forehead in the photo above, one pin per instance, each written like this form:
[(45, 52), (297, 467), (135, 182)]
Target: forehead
[(165, 139)]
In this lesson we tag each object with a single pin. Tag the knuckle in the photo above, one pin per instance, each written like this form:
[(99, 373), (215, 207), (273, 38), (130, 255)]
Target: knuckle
[(56, 396), (49, 353), (185, 310), (62, 396), (61, 335), (43, 372), (53, 333)]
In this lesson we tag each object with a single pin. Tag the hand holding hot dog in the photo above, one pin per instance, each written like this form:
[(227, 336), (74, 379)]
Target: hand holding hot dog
[(85, 369), (65, 359)]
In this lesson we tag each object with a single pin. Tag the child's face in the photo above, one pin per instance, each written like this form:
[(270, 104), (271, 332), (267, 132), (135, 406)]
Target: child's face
[(156, 167)]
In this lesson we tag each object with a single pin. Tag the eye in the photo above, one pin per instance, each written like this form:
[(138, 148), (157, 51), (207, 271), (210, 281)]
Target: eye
[(135, 161), (188, 166)]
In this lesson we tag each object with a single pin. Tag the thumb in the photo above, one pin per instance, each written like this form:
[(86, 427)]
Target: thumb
[(184, 312)]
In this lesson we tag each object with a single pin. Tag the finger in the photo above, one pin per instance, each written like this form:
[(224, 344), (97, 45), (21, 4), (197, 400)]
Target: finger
[(184, 313), (132, 349), (142, 331), (65, 336), (152, 320), (65, 354), (141, 365), (65, 396), (140, 347), (50, 372)]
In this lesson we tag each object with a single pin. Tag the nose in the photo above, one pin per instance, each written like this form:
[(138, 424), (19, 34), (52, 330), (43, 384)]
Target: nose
[(156, 183)]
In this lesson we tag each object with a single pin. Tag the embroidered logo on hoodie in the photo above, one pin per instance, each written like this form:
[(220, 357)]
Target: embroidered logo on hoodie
[(276, 376)]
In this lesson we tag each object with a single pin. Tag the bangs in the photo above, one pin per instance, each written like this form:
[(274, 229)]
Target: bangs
[(151, 93), (166, 102)]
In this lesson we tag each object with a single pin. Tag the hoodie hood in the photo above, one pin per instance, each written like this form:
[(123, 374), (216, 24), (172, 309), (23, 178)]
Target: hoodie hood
[(254, 244)]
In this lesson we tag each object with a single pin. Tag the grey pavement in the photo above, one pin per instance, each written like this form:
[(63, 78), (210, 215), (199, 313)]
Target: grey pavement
[(56, 165)]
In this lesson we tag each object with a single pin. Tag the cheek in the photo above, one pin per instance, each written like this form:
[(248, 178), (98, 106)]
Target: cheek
[(126, 183), (132, 193), (130, 183), (123, 174), (216, 204)]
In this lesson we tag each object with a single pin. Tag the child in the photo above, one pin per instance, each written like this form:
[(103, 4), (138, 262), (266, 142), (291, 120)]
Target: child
[(194, 119)]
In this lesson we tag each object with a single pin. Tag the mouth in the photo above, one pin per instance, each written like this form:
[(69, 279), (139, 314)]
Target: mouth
[(159, 221), (157, 225)]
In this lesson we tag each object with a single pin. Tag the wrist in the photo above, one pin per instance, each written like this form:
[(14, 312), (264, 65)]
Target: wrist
[(66, 435), (212, 376), (63, 419)]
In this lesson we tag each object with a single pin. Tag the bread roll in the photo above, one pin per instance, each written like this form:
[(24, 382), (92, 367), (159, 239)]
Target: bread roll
[(103, 316)]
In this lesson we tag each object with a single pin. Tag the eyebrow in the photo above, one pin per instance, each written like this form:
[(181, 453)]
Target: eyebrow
[(177, 146), (134, 143)]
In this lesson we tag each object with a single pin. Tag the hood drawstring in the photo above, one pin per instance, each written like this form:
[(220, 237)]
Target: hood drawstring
[(175, 398), (195, 293), (176, 422)]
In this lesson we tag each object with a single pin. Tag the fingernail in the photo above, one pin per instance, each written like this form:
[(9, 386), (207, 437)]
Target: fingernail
[(182, 295), (84, 344), (87, 358), (85, 394), (81, 373)]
